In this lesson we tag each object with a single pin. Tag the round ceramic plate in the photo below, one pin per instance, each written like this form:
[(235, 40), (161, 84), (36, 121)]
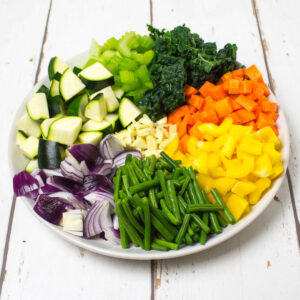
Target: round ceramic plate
[(17, 162)]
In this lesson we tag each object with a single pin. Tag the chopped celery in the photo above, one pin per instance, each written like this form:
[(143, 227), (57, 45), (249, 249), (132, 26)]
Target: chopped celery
[(128, 77), (128, 64), (144, 58), (108, 54), (110, 44), (94, 48), (143, 74)]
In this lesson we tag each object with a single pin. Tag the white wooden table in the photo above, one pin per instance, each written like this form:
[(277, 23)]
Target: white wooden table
[(262, 262)]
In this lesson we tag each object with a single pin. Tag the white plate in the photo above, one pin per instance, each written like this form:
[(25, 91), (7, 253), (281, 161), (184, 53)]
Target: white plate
[(17, 162)]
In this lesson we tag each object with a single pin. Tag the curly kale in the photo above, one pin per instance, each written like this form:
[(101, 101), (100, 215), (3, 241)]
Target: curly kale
[(182, 57)]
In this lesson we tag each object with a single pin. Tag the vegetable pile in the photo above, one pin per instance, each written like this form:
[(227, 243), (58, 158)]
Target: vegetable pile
[(159, 141)]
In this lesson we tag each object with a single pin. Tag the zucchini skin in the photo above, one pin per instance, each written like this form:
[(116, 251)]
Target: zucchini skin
[(51, 68), (54, 106), (49, 156), (97, 85)]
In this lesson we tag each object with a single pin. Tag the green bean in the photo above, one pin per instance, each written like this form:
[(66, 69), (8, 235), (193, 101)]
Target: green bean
[(117, 182), (203, 207), (220, 201), (184, 186), (136, 213), (176, 173), (222, 221), (135, 201), (123, 236), (164, 164), (196, 237), (169, 245), (147, 163), (152, 198), (183, 228), (203, 234), (212, 216), (163, 185), (132, 174), (188, 239), (131, 217), (139, 173), (144, 186), (152, 165), (177, 161), (124, 171), (147, 232), (133, 234), (196, 186), (158, 247), (159, 195), (126, 185), (195, 226), (128, 158), (168, 213), (190, 231), (168, 159), (187, 198), (173, 200), (161, 228)]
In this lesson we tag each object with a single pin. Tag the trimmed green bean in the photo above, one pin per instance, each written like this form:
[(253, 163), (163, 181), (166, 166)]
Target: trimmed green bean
[(203, 207), (173, 200), (126, 185), (169, 160), (132, 174), (163, 185), (161, 228), (152, 198), (184, 186), (147, 232), (186, 197), (196, 237), (158, 247), (222, 221), (144, 186), (164, 164), (220, 201), (195, 226), (190, 231), (131, 217), (203, 234), (183, 229), (123, 236), (176, 173), (159, 195), (168, 213), (169, 245), (128, 158), (196, 185), (139, 173), (117, 183), (188, 239), (152, 165)]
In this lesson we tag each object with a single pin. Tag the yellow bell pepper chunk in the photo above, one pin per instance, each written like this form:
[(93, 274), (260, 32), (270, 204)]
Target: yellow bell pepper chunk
[(192, 146), (267, 135), (213, 160), (224, 185), (219, 142), (243, 188), (205, 182), (251, 145), (229, 146), (214, 130), (205, 146), (236, 168), (274, 155), (239, 131), (237, 205), (201, 162), (178, 155), (277, 170), (262, 184), (263, 166), (217, 172), (172, 147)]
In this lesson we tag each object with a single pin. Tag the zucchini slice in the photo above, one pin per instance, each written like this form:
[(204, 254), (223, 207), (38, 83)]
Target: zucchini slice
[(90, 137), (96, 77), (37, 107), (54, 87), (65, 130), (30, 147), (29, 126), (96, 109), (118, 92), (49, 155), (112, 119), (45, 125), (92, 125), (20, 138), (55, 106), (76, 70), (56, 66), (43, 89), (77, 106), (70, 85), (32, 165), (128, 112), (111, 100)]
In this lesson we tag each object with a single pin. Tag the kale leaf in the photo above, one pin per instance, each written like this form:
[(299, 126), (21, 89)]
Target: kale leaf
[(182, 57)]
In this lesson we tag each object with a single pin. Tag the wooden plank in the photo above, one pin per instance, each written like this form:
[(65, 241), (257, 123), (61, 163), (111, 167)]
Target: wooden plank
[(40, 265), (281, 44), (232, 270), (20, 40)]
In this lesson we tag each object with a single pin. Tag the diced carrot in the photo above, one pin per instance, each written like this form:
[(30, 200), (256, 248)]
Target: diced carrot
[(245, 116), (251, 97), (233, 87), (253, 73), (226, 85), (252, 124), (209, 103), (226, 76), (196, 101), (176, 116), (181, 128), (235, 118), (209, 116), (269, 106), (194, 131), (189, 90), (197, 116), (205, 88), (275, 130), (266, 89), (246, 87), (189, 119), (238, 74), (223, 107), (235, 105), (258, 89), (217, 92), (189, 127), (183, 143), (272, 114), (246, 103), (264, 120), (192, 109)]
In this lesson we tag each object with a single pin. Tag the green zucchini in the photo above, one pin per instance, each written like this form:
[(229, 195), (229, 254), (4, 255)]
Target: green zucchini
[(54, 87), (111, 100), (29, 126), (65, 130), (30, 147), (93, 137), (77, 106), (76, 70), (55, 106), (43, 89), (37, 107), (45, 125), (32, 165), (70, 85), (96, 109), (128, 112), (20, 138), (112, 119), (49, 155), (118, 92), (96, 77), (56, 66), (92, 125)]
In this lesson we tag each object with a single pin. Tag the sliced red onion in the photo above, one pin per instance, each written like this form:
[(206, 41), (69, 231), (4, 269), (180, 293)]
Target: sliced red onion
[(50, 208), (110, 147), (97, 219), (112, 235), (75, 200), (87, 152), (48, 189), (40, 180), (94, 182), (24, 183), (115, 222), (121, 158), (100, 195), (63, 184), (102, 169), (84, 169), (71, 169)]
